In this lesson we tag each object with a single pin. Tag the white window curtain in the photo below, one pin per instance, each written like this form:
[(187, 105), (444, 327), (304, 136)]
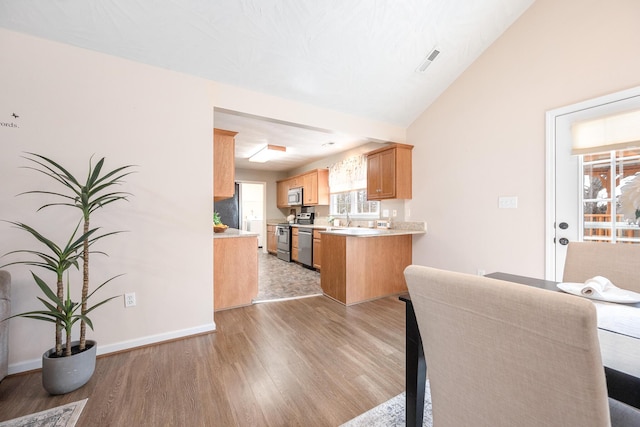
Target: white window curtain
[(348, 174)]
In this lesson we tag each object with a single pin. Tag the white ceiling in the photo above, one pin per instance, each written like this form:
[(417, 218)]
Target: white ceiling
[(354, 56)]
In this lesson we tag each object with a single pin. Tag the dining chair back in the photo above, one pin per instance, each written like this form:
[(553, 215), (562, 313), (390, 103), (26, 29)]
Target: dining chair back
[(504, 354), (620, 263)]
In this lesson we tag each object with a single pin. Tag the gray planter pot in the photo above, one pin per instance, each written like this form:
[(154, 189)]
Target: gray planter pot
[(62, 375)]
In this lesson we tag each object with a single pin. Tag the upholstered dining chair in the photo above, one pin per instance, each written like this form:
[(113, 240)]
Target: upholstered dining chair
[(503, 354), (620, 263)]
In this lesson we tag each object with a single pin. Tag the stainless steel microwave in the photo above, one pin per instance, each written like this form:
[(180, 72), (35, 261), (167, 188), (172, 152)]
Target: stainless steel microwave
[(295, 197)]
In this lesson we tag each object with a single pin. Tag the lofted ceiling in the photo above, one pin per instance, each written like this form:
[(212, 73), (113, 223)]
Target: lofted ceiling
[(353, 56)]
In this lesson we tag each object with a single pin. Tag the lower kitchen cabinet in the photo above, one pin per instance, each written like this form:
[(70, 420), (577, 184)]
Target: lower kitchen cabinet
[(272, 240), (294, 243), (317, 248), (235, 271), (357, 269)]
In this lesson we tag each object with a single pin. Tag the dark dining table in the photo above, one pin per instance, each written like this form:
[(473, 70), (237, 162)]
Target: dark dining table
[(620, 357)]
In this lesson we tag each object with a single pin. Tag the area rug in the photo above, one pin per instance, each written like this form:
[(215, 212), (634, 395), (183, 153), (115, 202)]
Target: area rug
[(60, 416), (392, 413)]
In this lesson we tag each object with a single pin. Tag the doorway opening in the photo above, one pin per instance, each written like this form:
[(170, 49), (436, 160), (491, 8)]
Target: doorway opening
[(253, 210)]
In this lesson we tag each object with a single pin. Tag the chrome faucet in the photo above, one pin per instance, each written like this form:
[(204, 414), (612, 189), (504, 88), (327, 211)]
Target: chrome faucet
[(348, 219)]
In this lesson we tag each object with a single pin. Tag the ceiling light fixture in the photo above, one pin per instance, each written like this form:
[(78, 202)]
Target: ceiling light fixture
[(427, 61), (268, 152)]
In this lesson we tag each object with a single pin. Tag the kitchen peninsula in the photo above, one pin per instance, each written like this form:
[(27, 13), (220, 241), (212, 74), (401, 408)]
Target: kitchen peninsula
[(360, 264), (235, 268)]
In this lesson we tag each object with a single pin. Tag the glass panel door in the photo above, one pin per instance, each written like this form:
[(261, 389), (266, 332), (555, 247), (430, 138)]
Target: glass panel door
[(604, 175)]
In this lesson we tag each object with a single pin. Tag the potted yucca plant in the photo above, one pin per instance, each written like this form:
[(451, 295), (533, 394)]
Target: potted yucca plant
[(96, 191), (64, 367)]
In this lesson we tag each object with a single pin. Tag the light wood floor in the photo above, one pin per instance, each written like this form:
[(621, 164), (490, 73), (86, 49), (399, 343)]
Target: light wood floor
[(307, 362)]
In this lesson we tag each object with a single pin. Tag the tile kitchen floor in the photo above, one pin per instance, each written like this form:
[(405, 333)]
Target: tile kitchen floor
[(278, 279)]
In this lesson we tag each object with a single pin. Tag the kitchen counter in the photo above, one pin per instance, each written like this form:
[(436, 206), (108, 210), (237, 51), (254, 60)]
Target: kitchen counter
[(315, 227), (363, 264), (234, 232), (358, 231), (370, 232)]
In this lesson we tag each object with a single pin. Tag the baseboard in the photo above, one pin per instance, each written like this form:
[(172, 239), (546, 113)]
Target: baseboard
[(34, 364)]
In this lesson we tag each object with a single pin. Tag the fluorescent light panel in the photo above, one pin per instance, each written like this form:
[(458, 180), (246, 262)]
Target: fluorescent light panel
[(268, 152)]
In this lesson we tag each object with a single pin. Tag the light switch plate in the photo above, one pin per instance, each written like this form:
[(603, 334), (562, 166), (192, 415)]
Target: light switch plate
[(508, 202)]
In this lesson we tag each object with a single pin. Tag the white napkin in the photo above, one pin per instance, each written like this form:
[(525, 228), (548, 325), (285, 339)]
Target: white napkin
[(600, 288), (597, 286)]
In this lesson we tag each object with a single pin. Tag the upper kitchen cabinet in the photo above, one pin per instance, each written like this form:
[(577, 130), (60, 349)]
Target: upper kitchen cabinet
[(224, 177), (315, 188), (283, 190), (389, 172), (295, 181)]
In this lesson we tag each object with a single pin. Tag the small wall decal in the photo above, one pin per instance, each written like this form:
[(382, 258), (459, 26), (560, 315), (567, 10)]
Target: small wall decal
[(12, 123)]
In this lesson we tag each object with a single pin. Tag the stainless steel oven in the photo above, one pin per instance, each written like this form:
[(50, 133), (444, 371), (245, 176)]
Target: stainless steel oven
[(283, 240)]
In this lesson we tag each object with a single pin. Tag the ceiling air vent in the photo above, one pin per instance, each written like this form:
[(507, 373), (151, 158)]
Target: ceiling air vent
[(427, 61)]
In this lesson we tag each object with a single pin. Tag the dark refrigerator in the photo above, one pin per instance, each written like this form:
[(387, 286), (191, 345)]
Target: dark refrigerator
[(229, 209)]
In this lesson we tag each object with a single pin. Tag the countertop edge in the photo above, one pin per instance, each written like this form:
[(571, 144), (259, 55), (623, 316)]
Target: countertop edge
[(374, 232), (231, 233)]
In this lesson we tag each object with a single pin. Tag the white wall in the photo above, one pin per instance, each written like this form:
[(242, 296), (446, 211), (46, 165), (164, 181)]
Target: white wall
[(485, 135), (74, 103)]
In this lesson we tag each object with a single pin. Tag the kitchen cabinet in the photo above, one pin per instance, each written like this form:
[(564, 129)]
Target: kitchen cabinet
[(235, 269), (294, 243), (315, 188), (283, 190), (272, 242), (362, 268), (295, 182), (224, 178), (389, 172), (317, 248)]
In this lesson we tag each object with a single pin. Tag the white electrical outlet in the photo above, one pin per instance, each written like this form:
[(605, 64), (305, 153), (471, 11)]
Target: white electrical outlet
[(130, 299), (394, 213)]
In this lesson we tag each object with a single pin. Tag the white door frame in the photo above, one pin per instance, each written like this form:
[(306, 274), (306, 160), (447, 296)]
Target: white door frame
[(550, 179)]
